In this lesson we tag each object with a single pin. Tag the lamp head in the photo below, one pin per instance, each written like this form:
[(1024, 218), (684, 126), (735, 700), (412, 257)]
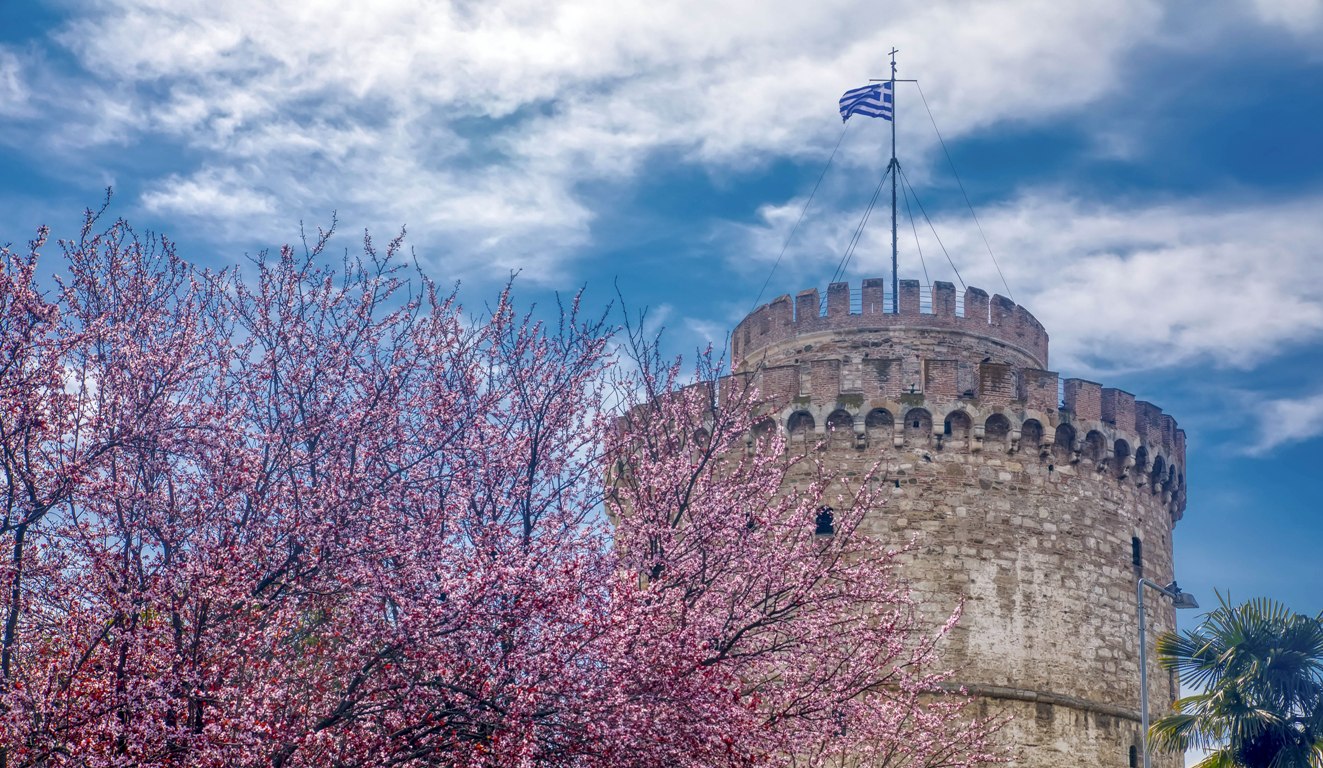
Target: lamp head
[(1180, 599)]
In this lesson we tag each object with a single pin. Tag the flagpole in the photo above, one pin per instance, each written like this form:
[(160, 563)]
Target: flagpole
[(892, 168)]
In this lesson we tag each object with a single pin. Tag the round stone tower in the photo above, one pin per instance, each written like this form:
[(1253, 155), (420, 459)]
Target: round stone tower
[(1034, 500)]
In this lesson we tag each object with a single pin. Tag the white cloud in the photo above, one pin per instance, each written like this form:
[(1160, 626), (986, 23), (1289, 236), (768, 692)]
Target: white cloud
[(482, 125), (220, 192), (1118, 287), (13, 91), (1286, 421), (1299, 16), (478, 124)]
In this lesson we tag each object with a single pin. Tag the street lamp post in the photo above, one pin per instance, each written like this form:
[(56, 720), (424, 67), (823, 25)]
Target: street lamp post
[(1179, 599)]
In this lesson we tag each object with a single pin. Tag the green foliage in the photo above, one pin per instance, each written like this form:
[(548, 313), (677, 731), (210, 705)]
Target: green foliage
[(1259, 668)]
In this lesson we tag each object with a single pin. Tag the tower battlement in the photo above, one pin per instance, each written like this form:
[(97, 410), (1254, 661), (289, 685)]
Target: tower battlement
[(785, 320)]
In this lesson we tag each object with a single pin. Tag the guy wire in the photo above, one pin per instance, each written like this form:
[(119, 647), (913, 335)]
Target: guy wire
[(795, 228), (951, 162), (928, 219), (915, 228)]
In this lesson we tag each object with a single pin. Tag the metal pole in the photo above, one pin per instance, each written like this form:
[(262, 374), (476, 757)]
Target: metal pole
[(1179, 599), (893, 168), (1143, 670)]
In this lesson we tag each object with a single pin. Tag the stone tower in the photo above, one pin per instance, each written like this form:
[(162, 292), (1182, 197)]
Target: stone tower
[(1035, 500)]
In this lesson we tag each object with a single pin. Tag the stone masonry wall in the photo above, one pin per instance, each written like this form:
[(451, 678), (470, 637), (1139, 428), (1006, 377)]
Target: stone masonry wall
[(1020, 507)]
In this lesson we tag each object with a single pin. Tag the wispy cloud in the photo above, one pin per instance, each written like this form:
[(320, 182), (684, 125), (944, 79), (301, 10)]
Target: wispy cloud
[(1119, 287), (13, 89), (1299, 16), (482, 125), (1286, 421)]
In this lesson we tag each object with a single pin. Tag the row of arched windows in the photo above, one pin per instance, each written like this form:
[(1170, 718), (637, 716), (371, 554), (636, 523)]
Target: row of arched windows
[(1067, 446)]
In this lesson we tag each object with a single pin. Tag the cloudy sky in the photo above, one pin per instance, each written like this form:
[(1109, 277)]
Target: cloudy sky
[(1149, 175)]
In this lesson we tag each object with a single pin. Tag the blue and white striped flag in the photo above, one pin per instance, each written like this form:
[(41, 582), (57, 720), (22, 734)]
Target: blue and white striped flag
[(870, 101)]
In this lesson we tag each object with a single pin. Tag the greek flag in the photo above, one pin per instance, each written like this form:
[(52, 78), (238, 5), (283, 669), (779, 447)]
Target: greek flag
[(870, 101)]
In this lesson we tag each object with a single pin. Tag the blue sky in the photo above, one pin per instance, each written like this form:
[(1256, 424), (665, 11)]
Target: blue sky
[(1149, 174)]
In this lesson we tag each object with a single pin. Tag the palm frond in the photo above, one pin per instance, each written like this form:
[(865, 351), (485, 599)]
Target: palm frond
[(1259, 669)]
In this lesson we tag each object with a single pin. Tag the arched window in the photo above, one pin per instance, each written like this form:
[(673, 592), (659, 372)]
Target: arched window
[(1141, 460), (840, 426), (918, 426), (1095, 446), (997, 430), (800, 424), (879, 424), (957, 425), (1121, 450), (1065, 438), (1159, 475), (1031, 434)]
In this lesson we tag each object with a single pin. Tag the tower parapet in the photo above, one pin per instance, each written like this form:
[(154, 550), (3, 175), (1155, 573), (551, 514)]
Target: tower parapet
[(998, 319)]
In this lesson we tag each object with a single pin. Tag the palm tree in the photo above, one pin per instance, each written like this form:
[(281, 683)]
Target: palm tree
[(1259, 668)]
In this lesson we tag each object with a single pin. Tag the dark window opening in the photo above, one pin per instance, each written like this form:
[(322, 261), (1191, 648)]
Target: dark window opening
[(1134, 757), (1137, 555), (824, 523)]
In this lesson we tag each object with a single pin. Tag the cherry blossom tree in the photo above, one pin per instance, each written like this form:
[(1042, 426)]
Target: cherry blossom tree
[(752, 562), (287, 514)]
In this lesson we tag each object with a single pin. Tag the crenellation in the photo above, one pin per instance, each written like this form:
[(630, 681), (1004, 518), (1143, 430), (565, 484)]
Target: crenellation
[(909, 297), (1169, 435), (944, 300), (807, 304), (1031, 332), (1148, 423), (838, 300), (976, 303), (1038, 389), (1083, 399), (1118, 407), (779, 318), (874, 296), (1002, 312)]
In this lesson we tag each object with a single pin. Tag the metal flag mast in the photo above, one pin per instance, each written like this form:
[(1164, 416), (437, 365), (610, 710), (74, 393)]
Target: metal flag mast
[(893, 168)]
